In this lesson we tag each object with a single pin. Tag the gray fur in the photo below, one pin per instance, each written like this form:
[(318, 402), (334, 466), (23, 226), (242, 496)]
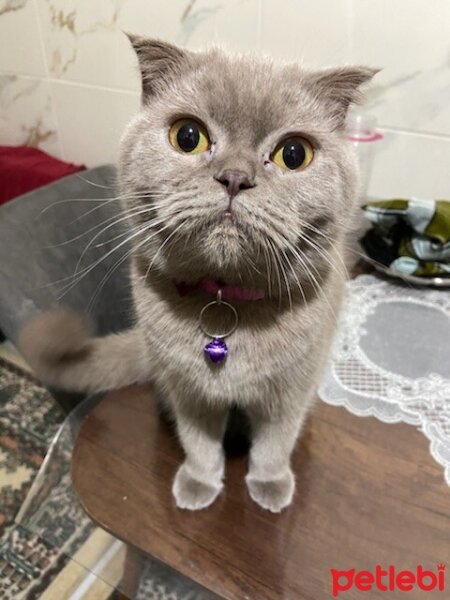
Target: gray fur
[(277, 352)]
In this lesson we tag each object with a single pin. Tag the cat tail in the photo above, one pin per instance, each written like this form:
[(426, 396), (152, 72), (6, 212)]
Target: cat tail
[(60, 348)]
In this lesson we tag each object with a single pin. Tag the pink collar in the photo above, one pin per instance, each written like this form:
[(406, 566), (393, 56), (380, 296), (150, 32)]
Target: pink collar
[(229, 292)]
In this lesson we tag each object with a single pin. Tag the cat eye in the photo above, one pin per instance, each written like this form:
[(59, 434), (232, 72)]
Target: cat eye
[(294, 153), (189, 136)]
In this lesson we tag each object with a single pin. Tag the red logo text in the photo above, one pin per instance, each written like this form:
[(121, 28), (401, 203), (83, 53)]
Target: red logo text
[(388, 580)]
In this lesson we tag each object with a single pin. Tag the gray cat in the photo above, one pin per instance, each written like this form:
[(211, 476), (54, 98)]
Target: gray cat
[(239, 187)]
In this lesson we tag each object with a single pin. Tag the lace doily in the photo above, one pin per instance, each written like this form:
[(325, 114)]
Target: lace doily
[(391, 359)]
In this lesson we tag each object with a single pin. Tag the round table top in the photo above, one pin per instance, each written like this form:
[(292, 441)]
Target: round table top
[(367, 494)]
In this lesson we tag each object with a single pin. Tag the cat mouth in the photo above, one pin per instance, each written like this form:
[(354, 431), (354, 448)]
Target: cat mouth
[(228, 217)]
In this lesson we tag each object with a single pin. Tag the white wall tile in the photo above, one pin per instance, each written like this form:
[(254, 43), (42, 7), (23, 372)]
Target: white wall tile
[(315, 33), (20, 44), (195, 24), (85, 42), (233, 24), (87, 52), (26, 114), (91, 121), (408, 164), (410, 40)]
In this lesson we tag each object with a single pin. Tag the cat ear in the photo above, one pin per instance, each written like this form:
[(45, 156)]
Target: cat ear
[(158, 61), (340, 87)]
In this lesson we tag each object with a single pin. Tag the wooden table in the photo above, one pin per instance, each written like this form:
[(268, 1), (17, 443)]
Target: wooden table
[(367, 494)]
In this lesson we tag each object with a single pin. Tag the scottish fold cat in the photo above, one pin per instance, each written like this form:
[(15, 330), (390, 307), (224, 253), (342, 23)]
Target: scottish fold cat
[(239, 186)]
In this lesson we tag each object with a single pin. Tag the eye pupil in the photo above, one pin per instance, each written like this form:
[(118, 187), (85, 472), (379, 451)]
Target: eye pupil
[(294, 154), (188, 137)]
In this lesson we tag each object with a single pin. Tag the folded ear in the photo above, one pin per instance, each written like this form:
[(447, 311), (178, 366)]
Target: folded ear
[(339, 88), (158, 61)]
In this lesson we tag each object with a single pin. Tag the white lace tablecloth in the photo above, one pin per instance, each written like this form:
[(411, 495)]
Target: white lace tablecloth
[(391, 359)]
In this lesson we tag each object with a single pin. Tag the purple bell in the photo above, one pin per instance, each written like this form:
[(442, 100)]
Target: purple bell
[(216, 350)]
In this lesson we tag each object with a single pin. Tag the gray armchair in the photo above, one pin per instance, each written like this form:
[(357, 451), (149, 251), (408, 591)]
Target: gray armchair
[(57, 248)]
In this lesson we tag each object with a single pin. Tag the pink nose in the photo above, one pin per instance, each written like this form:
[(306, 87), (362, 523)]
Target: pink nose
[(235, 181)]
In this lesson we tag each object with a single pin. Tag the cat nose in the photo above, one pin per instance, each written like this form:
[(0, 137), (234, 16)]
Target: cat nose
[(235, 181)]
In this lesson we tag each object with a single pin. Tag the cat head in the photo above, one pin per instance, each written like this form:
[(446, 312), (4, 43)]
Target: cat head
[(236, 167)]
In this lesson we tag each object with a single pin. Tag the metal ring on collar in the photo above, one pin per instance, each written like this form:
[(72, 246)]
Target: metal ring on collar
[(220, 336)]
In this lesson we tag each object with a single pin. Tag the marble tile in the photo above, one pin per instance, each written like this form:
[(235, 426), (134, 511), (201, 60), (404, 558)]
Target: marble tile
[(90, 88), (91, 121), (26, 114), (196, 24), (21, 48), (410, 40), (315, 33), (411, 164), (85, 42), (233, 24)]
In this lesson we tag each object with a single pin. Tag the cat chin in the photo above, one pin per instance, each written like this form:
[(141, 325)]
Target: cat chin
[(216, 268)]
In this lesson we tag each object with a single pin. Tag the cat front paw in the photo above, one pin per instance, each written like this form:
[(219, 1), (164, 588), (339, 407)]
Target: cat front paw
[(272, 494), (192, 494)]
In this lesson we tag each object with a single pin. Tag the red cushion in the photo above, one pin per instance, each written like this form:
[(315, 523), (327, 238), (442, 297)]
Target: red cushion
[(23, 169)]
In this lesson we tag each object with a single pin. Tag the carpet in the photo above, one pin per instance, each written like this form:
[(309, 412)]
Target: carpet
[(33, 568), (29, 419)]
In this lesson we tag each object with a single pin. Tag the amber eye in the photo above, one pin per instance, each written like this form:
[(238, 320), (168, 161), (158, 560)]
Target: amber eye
[(294, 154), (187, 135)]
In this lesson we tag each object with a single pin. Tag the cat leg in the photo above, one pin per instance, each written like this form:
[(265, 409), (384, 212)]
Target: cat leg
[(270, 480), (198, 481)]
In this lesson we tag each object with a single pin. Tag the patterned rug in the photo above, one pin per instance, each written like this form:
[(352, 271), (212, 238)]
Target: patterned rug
[(34, 568), (29, 419)]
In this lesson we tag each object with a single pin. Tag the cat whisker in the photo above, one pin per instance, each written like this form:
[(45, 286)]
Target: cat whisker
[(77, 276), (120, 199), (97, 185), (150, 223), (327, 257), (128, 214), (294, 274), (106, 201), (117, 264), (105, 243), (286, 281), (161, 247), (251, 263), (306, 225), (102, 201), (111, 220), (88, 268), (301, 256), (268, 268), (94, 183), (277, 269), (101, 244)]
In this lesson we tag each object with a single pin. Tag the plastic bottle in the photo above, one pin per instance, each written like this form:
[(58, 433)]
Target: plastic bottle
[(361, 133)]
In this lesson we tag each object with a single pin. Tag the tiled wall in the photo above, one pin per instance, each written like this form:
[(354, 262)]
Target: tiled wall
[(68, 79)]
